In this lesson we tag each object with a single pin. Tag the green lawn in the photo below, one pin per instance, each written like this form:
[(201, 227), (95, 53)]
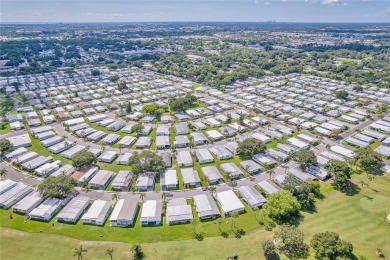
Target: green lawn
[(358, 218), (6, 129)]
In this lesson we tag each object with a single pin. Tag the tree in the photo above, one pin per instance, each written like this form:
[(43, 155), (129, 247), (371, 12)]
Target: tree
[(137, 128), (57, 187), (115, 196), (146, 161), (150, 108), (300, 190), (95, 73), (334, 133), (340, 171), (121, 85), (113, 78), (5, 146), (3, 173), (358, 88), (269, 249), (328, 245), (110, 252), (314, 187), (293, 245), (79, 252), (305, 159), (83, 158), (128, 108), (342, 94), (369, 160), (282, 206), (138, 254), (249, 147), (183, 103)]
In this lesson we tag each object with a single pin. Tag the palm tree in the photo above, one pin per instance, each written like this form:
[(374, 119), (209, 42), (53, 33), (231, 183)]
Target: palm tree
[(79, 252), (234, 185), (327, 146), (3, 173), (233, 217), (212, 189), (110, 252), (137, 251), (115, 196), (271, 174), (142, 196)]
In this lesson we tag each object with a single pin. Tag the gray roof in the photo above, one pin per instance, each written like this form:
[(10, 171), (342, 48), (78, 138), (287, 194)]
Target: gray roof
[(205, 205)]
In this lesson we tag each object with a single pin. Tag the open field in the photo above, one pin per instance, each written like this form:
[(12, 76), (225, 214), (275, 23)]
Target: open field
[(358, 218)]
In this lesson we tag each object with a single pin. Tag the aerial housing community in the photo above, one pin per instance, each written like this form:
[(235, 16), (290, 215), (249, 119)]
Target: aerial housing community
[(260, 133), (198, 146)]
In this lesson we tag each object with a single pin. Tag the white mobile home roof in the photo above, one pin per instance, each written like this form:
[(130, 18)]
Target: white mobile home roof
[(295, 142), (298, 173), (170, 177), (16, 153), (67, 169), (212, 173), (373, 134), (125, 209), (251, 196), (190, 176), (127, 141), (101, 178), (229, 202), (151, 211), (14, 194), (28, 203), (6, 185), (268, 186), (46, 209), (184, 158), (261, 137), (205, 206), (342, 151), (74, 209), (98, 211), (70, 153), (178, 211)]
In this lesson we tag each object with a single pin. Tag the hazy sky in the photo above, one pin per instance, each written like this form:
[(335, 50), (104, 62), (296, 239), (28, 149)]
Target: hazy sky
[(194, 10)]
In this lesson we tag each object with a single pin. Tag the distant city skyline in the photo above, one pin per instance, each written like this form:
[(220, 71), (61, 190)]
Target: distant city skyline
[(38, 11)]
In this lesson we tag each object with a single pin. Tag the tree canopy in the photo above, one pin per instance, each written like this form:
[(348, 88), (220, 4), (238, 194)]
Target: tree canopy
[(95, 73), (282, 205), (137, 128), (305, 158), (249, 147), (369, 160), (57, 187), (113, 78), (150, 108), (293, 245), (269, 249), (146, 161), (83, 158), (342, 94), (301, 191), (5, 146), (121, 85), (182, 103), (328, 245), (340, 171)]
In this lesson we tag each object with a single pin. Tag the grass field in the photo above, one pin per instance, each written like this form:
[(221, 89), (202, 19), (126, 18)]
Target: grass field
[(358, 218)]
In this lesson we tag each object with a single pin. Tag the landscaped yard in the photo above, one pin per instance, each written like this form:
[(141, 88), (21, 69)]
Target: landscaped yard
[(358, 218)]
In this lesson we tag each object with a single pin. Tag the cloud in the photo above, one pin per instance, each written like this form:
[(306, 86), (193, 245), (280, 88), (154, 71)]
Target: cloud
[(328, 2), (267, 3), (333, 2)]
